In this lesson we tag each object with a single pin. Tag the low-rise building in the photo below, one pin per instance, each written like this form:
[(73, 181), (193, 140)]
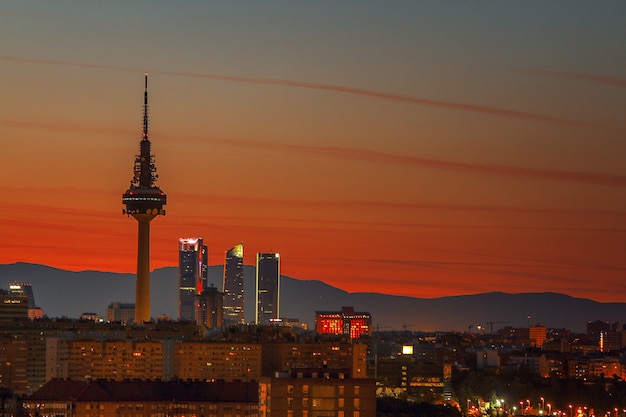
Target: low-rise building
[(134, 398), (317, 392)]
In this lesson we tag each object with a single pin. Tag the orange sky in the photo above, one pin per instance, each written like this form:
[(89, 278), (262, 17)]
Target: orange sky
[(455, 156)]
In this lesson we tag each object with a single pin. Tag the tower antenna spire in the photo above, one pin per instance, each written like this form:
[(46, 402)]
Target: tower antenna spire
[(144, 200), (145, 108)]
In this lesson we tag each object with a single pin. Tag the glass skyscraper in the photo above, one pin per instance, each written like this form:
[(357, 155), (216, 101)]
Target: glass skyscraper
[(232, 286), (267, 287), (192, 275)]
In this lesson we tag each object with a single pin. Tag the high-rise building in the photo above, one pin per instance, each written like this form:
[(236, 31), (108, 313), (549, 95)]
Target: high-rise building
[(232, 286), (267, 288), (209, 306), (192, 275), (144, 201)]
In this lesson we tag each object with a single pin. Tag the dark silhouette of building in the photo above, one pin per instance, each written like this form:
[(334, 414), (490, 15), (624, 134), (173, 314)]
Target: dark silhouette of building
[(144, 201), (209, 307), (267, 288), (120, 312), (63, 398), (232, 286), (192, 275)]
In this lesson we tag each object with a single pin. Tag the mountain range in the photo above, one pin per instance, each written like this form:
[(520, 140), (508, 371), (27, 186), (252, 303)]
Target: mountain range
[(63, 293)]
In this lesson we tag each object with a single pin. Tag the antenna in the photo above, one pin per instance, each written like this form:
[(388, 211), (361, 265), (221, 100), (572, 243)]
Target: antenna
[(145, 108)]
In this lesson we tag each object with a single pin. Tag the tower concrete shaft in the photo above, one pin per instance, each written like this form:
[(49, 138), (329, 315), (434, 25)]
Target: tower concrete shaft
[(142, 287)]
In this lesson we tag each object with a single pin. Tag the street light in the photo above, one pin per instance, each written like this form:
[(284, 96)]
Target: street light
[(549, 408), (543, 404), (571, 411)]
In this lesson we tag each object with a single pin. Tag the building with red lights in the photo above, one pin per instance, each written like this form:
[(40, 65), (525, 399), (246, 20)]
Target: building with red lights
[(346, 322)]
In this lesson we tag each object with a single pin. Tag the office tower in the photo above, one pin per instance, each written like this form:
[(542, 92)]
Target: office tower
[(267, 288), (192, 275), (232, 286), (17, 289), (144, 201), (13, 305), (209, 306)]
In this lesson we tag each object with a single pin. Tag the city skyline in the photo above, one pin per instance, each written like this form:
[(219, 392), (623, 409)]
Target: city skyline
[(424, 149)]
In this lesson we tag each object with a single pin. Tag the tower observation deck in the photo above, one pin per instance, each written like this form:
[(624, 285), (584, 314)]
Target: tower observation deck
[(144, 201)]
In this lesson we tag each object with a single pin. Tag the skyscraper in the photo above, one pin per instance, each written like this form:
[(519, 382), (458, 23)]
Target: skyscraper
[(232, 286), (267, 287), (144, 201), (192, 275)]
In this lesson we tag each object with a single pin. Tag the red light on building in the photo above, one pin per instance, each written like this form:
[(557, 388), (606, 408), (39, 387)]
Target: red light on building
[(346, 321)]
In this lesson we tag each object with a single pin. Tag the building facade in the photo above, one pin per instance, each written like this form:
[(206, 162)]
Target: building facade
[(283, 357), (205, 361), (115, 359), (316, 393), (120, 312), (267, 288), (192, 275), (346, 322), (232, 287), (63, 398)]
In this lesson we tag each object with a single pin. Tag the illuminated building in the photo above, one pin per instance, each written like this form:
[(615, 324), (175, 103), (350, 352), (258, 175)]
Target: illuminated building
[(423, 380), (346, 322), (537, 334), (13, 305), (17, 289), (232, 286), (267, 288), (192, 275), (115, 359), (144, 201), (120, 312), (280, 357), (316, 392), (132, 398), (213, 360), (209, 308)]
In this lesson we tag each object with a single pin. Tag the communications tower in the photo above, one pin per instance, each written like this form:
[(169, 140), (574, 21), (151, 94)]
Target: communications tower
[(144, 201)]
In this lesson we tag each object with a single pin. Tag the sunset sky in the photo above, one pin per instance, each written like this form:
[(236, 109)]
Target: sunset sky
[(412, 148)]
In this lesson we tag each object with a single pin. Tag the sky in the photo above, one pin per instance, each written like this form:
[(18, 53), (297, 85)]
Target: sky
[(418, 148)]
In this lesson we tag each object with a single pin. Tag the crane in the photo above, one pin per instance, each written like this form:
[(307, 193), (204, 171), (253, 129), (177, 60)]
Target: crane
[(491, 323)]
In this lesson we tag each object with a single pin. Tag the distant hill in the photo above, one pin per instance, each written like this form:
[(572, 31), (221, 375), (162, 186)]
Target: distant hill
[(65, 293)]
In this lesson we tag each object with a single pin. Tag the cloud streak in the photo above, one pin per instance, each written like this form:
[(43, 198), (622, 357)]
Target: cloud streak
[(383, 157), (398, 98), (355, 154)]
